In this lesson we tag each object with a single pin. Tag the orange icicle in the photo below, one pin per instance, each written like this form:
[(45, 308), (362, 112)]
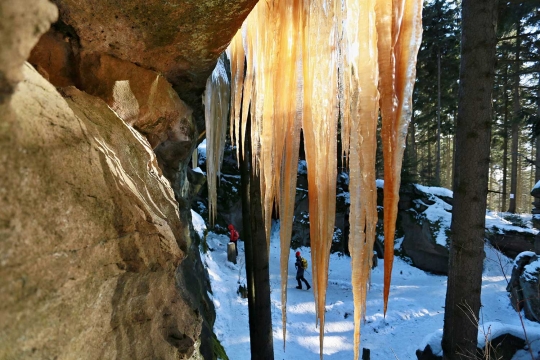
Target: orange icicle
[(320, 128), (292, 50), (289, 130), (397, 27)]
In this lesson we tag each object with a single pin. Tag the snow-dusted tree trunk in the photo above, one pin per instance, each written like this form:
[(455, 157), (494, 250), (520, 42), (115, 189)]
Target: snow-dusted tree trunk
[(470, 178)]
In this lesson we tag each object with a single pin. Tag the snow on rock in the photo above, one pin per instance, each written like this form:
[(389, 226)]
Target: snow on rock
[(201, 150), (198, 223), (496, 221), (531, 270), (439, 191), (523, 254), (434, 341)]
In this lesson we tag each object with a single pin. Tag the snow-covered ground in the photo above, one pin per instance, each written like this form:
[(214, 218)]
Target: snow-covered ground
[(415, 311), (414, 318)]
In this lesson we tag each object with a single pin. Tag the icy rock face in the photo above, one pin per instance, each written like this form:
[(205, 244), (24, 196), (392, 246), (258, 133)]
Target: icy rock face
[(91, 236), (524, 285)]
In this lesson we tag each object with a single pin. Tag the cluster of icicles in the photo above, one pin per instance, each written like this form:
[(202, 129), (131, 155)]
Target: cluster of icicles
[(314, 65)]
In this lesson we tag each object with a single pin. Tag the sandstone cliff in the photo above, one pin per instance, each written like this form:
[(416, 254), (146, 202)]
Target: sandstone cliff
[(97, 256)]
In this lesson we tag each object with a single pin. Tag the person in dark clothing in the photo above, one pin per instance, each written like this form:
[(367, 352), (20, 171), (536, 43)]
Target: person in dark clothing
[(234, 237), (300, 272)]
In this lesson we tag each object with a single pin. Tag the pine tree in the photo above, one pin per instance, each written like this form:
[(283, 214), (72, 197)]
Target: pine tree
[(435, 100), (470, 179)]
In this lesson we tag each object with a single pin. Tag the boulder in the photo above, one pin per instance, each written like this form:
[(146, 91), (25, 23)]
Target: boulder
[(91, 236), (510, 242), (420, 246), (535, 192), (427, 354), (502, 347), (524, 285)]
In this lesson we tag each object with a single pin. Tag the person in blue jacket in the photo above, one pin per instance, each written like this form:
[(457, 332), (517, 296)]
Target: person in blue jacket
[(300, 272)]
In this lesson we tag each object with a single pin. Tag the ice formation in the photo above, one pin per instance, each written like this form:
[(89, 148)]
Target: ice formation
[(299, 64), (399, 26), (216, 109)]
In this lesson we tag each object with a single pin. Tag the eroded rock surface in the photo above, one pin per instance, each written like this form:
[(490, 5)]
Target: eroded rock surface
[(22, 23), (180, 39), (141, 97), (91, 236)]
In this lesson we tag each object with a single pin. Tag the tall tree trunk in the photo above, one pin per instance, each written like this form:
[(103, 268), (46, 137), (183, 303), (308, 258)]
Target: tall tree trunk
[(438, 165), (430, 165), (490, 187), (414, 148), (453, 152), (473, 127), (245, 160), (261, 274), (537, 164), (505, 140), (515, 129), (257, 260)]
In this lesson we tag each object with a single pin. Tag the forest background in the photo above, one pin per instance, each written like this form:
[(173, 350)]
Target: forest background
[(515, 129)]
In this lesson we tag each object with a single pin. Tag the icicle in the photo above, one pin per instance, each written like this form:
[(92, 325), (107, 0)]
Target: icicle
[(362, 80), (379, 39), (399, 29), (236, 55), (216, 100), (289, 126), (320, 126)]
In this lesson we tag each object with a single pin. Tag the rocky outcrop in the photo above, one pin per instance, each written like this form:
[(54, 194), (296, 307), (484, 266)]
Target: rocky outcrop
[(96, 253), (510, 242), (179, 39), (91, 236), (501, 347), (524, 285), (141, 97), (20, 30), (137, 56), (418, 244)]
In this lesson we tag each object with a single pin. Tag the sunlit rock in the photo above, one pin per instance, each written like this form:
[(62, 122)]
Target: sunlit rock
[(91, 236), (141, 97), (20, 29), (179, 39)]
